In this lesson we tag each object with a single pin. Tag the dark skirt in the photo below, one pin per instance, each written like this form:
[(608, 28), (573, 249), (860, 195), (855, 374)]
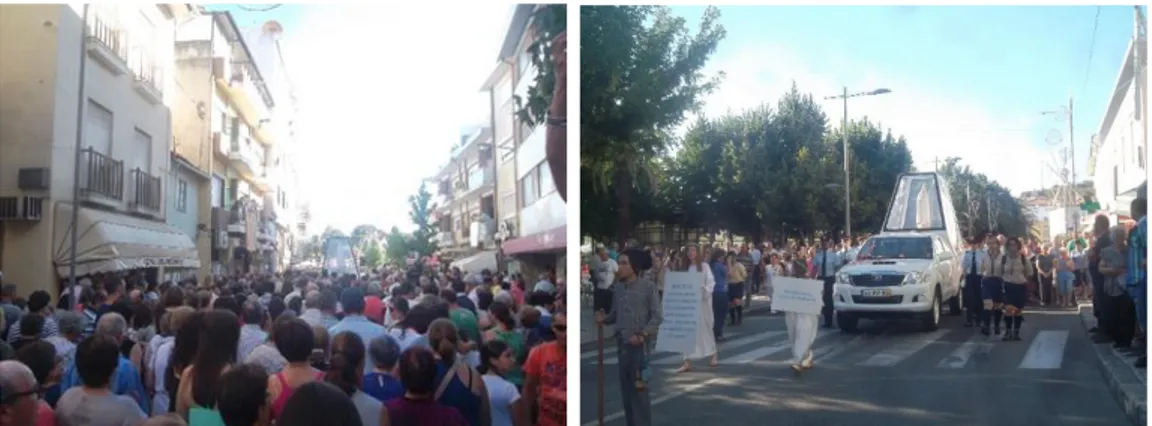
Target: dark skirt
[(735, 291), (1015, 295), (992, 288)]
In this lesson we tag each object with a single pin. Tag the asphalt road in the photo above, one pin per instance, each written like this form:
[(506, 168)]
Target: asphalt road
[(890, 374)]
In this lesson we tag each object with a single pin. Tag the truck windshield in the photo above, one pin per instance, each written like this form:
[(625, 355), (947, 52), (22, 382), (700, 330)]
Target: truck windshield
[(896, 248)]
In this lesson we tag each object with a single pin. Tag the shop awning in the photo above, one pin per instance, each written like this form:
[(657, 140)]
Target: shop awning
[(551, 240), (110, 242), (478, 262)]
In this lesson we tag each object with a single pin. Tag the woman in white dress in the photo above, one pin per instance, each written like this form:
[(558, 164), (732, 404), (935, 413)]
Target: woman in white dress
[(802, 328), (705, 338)]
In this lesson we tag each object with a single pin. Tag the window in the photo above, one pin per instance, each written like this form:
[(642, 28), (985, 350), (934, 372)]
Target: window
[(536, 184), (525, 130), (508, 204), (529, 188), (1115, 180), (143, 50), (217, 192), (98, 128), (181, 195), (141, 152), (233, 190), (546, 184)]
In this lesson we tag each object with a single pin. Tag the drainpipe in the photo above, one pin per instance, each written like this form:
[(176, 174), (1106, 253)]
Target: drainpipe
[(81, 101)]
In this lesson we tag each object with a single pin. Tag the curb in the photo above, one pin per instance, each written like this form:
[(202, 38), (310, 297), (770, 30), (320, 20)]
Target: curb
[(1127, 386)]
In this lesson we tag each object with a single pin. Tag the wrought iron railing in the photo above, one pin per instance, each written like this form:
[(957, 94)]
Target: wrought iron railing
[(146, 189), (148, 71), (107, 32), (101, 174)]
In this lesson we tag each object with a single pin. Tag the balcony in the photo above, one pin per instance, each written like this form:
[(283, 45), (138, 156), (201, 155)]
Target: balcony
[(247, 91), (149, 77), (445, 239), (146, 192), (101, 176), (107, 43), (248, 157), (478, 182)]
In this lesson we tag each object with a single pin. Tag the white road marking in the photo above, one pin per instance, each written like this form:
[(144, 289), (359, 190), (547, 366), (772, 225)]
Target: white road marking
[(678, 358), (959, 357), (664, 398), (901, 351), (768, 350), (1046, 351), (828, 352)]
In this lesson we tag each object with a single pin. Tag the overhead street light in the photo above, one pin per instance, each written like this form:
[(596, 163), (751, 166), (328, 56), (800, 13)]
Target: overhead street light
[(844, 135)]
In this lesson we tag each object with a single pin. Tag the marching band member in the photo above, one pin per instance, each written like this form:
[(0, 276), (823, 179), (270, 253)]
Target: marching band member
[(1014, 271), (991, 289), (975, 260)]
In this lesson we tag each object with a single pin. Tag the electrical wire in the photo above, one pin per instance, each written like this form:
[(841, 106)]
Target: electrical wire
[(1091, 49)]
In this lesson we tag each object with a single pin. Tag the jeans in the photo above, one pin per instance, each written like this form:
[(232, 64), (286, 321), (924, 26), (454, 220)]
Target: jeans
[(637, 405), (829, 307), (1139, 293), (719, 312)]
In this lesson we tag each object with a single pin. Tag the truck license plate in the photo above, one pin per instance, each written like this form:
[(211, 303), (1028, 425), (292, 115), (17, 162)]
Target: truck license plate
[(876, 293)]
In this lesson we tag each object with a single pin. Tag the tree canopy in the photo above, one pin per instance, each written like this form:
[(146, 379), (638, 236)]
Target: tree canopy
[(641, 70)]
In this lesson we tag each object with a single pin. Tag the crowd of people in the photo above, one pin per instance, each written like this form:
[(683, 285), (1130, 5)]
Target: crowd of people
[(395, 347)]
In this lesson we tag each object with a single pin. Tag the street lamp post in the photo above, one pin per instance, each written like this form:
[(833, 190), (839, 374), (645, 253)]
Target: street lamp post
[(844, 137)]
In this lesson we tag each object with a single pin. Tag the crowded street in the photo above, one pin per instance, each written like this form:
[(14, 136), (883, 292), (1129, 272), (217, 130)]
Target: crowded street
[(889, 374)]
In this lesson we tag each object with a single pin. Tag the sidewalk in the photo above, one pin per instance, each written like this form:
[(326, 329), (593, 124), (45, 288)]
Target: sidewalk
[(588, 321), (1128, 383)]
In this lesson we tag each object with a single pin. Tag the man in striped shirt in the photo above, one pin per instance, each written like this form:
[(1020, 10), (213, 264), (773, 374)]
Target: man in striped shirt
[(38, 304)]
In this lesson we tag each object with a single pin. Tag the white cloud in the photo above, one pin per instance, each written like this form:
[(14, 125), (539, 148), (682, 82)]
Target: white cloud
[(384, 91), (937, 122)]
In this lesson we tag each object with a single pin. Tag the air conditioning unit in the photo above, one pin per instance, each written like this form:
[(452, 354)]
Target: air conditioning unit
[(461, 185), (222, 239), (34, 178)]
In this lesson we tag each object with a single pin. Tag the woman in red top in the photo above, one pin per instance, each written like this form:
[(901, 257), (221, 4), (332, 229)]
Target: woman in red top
[(295, 341), (546, 376)]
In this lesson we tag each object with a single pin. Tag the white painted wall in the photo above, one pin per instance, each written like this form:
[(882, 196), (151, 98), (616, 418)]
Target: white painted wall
[(1119, 155), (545, 214)]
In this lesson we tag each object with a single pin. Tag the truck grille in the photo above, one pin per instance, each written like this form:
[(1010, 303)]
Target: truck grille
[(877, 280), (882, 300)]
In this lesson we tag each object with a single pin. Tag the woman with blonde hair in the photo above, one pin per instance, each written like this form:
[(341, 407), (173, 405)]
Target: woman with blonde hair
[(692, 261)]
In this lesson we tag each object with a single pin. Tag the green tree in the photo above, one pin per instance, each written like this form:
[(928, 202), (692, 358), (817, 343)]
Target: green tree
[(547, 22), (362, 235), (397, 248), (640, 72), (373, 256), (421, 207), (982, 204)]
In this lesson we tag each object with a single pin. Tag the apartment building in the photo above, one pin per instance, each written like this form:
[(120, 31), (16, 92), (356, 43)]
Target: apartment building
[(100, 74), (264, 42), (226, 130), (534, 239), (465, 195), (1118, 161)]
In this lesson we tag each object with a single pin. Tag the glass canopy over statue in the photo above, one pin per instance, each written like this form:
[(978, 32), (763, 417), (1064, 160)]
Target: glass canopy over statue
[(922, 203)]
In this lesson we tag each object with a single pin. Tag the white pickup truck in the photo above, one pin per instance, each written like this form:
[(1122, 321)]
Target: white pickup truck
[(912, 268)]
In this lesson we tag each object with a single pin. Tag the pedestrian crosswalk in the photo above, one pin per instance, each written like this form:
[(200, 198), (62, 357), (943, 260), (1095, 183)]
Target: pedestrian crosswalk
[(946, 348)]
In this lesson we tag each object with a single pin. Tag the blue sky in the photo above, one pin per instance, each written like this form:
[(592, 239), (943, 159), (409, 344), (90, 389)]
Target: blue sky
[(965, 81), (383, 97)]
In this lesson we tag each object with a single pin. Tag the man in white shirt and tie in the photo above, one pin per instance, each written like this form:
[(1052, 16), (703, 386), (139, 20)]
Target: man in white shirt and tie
[(975, 258), (827, 262)]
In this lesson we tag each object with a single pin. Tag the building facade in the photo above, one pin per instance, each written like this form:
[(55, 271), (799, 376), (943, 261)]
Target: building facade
[(121, 116), (227, 130), (1118, 161), (535, 239), (264, 43), (465, 197)]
